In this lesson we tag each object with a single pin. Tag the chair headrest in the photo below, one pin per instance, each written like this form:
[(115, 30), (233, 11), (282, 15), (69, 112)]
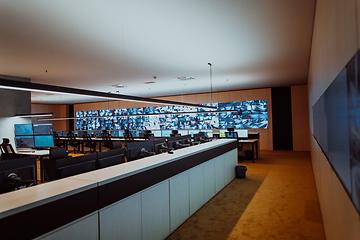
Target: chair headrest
[(6, 140)]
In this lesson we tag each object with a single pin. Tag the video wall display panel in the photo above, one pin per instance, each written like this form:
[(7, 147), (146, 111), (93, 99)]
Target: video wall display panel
[(246, 115), (336, 127)]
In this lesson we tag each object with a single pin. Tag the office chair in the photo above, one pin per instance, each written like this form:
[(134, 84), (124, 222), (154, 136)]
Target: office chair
[(128, 136), (49, 164), (175, 133), (72, 141), (89, 143), (106, 139), (7, 151), (148, 134), (57, 141)]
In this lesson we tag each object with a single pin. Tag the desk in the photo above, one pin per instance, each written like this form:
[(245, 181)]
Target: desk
[(253, 142), (98, 140), (40, 154), (151, 196)]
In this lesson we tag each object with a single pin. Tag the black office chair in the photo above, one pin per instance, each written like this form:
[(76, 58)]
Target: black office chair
[(232, 134), (89, 143), (73, 142), (57, 141), (106, 139), (148, 134), (116, 145), (175, 133), (7, 151), (49, 164), (128, 136)]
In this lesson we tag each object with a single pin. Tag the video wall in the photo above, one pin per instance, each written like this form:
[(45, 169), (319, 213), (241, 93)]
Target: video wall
[(336, 127), (248, 115)]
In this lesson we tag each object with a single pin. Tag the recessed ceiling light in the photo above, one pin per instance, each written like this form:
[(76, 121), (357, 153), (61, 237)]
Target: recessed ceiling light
[(185, 78), (118, 86), (149, 82)]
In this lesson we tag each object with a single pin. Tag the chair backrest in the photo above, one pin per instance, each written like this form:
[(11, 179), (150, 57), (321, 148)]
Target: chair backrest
[(128, 136), (7, 151), (56, 136), (58, 152), (87, 137), (116, 144)]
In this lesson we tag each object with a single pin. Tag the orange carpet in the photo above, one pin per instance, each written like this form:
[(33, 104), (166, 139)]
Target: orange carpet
[(276, 200)]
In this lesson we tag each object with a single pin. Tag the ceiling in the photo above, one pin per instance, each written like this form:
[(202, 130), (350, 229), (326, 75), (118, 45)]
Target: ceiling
[(94, 44)]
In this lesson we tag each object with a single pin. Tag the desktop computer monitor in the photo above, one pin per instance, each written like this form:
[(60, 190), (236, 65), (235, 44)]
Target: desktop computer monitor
[(135, 133), (222, 133), (208, 133), (25, 141), (121, 133), (97, 134), (59, 133), (44, 141), (43, 129), (183, 132), (114, 134), (242, 133), (23, 129), (192, 132), (166, 133), (157, 133)]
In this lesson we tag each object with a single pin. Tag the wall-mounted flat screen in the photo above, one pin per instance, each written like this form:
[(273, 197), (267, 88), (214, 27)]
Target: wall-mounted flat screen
[(44, 141), (23, 129), (43, 129), (25, 141), (249, 114)]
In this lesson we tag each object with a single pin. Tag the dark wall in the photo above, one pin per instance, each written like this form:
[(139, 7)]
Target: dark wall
[(13, 101), (70, 113), (282, 118)]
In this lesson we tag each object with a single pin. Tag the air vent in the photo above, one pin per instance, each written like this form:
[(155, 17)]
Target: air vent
[(118, 86), (185, 78), (149, 82)]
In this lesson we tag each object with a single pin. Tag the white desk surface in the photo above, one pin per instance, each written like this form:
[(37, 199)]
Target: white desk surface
[(247, 140), (21, 200), (17, 201), (33, 152), (106, 175)]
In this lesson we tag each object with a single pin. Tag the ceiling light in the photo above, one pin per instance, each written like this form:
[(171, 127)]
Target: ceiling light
[(35, 115), (118, 86), (150, 82), (185, 78), (38, 87)]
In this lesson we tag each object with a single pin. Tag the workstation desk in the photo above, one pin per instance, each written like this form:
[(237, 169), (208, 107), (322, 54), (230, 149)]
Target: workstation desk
[(99, 141), (144, 199), (254, 147), (40, 154)]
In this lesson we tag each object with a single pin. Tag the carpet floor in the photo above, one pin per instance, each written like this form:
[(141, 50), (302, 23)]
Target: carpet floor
[(276, 200)]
